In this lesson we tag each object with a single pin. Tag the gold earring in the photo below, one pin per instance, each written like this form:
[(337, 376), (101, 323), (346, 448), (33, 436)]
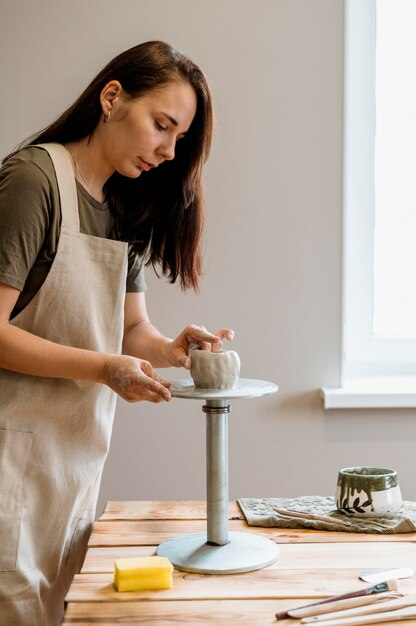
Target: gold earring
[(106, 117)]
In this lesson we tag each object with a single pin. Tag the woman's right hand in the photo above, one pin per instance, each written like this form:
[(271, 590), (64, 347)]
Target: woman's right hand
[(134, 379)]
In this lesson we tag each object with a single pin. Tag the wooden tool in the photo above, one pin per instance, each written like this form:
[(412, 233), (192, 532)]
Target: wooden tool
[(312, 609), (375, 618), (377, 576), (349, 604), (369, 609)]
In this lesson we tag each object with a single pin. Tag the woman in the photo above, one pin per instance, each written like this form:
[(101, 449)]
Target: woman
[(114, 183)]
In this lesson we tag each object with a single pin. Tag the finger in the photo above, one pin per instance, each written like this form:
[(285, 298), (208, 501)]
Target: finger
[(205, 336), (145, 395), (217, 346), (152, 386), (162, 381), (151, 396), (162, 392), (196, 334), (225, 333), (204, 345), (149, 371), (157, 395)]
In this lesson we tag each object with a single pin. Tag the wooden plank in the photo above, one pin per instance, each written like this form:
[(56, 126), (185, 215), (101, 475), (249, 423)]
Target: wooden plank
[(266, 583), (198, 613), (154, 509), (102, 559), (142, 533), (292, 556), (201, 613)]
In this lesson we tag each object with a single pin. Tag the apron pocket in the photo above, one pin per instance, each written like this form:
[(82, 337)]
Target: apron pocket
[(14, 453)]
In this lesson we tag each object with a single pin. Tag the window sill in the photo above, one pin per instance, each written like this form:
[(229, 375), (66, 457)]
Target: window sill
[(372, 393)]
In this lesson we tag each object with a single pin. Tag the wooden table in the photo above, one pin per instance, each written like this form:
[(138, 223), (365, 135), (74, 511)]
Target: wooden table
[(312, 565)]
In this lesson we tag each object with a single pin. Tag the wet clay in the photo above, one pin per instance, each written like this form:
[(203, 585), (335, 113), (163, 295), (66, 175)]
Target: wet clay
[(215, 370)]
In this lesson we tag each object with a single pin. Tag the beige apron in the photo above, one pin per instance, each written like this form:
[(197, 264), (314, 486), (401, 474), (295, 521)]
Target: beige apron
[(55, 433)]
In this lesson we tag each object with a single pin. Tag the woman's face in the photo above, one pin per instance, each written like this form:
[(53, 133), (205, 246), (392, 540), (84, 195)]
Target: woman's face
[(142, 132)]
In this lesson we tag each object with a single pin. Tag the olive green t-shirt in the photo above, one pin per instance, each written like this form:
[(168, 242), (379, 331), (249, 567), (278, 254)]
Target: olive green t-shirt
[(30, 222)]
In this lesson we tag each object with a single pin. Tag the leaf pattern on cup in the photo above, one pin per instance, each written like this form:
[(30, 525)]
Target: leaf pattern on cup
[(355, 507)]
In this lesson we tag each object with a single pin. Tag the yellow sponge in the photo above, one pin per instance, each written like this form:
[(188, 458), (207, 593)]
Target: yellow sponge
[(147, 572)]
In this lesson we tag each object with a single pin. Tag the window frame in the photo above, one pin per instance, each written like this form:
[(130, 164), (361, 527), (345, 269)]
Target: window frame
[(371, 366)]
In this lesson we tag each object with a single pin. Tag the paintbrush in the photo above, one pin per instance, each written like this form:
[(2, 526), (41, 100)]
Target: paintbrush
[(390, 603), (311, 609), (321, 611)]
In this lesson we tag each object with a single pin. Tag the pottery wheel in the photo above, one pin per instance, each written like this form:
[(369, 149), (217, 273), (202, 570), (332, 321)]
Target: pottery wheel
[(245, 388), (217, 551)]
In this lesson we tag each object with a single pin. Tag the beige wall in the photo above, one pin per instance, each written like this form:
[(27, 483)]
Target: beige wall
[(273, 240)]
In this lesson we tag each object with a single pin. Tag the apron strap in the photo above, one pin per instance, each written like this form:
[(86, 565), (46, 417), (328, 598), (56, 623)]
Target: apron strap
[(66, 184)]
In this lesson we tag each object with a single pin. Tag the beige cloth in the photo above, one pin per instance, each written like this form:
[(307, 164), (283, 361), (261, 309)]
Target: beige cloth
[(55, 433), (320, 513)]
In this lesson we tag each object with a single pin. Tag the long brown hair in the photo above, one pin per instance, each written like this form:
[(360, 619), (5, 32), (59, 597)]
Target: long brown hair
[(161, 214)]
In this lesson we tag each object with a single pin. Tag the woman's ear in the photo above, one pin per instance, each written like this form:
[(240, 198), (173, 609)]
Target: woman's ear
[(109, 98)]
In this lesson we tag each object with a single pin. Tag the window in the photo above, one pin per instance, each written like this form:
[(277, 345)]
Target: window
[(394, 310), (379, 225)]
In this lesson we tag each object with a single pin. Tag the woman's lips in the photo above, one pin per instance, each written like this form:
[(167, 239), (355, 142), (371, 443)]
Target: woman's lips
[(146, 166)]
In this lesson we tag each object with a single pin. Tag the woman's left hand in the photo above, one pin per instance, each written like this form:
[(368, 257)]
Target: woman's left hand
[(196, 336)]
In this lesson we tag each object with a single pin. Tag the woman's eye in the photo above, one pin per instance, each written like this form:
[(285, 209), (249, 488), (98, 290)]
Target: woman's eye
[(161, 126)]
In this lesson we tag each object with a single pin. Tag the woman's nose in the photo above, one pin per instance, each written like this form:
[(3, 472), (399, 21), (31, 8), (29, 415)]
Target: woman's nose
[(168, 149)]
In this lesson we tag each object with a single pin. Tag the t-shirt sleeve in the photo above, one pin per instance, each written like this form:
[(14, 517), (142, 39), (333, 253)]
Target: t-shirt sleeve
[(24, 219), (28, 226), (135, 277)]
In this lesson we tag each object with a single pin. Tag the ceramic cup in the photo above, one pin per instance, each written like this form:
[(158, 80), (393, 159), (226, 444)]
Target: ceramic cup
[(368, 492)]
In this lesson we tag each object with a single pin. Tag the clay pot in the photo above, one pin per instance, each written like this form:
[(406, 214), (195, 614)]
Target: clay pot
[(215, 370)]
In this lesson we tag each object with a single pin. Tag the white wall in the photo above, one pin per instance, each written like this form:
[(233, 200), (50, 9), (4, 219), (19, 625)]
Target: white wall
[(273, 240)]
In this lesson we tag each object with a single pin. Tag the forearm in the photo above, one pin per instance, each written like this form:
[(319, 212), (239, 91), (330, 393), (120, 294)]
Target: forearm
[(22, 352), (144, 341)]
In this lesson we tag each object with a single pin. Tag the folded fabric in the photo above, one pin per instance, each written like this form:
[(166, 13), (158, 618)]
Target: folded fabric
[(320, 513)]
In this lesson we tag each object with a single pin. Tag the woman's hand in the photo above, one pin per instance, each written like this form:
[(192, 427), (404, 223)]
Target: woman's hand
[(134, 380), (193, 336)]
